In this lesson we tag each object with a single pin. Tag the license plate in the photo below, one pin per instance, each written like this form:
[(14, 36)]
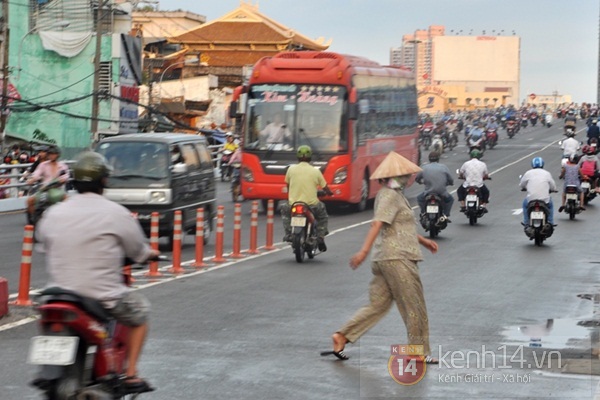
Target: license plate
[(298, 221), (471, 197), (432, 209), (571, 196), (585, 185), (53, 350), (537, 215)]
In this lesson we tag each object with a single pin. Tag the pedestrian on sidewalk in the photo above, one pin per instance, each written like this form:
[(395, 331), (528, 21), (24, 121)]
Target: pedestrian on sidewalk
[(396, 275)]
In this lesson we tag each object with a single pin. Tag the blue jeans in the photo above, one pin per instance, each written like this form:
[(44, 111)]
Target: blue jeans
[(550, 210)]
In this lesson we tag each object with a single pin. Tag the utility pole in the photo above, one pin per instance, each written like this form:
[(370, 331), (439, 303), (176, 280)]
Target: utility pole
[(95, 99), (4, 102)]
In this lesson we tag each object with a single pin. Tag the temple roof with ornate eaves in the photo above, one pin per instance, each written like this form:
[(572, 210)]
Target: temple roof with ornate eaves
[(246, 28)]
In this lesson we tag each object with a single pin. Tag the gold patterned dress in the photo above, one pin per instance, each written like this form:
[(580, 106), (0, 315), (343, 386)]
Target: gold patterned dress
[(395, 273)]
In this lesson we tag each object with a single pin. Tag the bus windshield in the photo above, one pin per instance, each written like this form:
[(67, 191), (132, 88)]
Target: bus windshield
[(281, 117)]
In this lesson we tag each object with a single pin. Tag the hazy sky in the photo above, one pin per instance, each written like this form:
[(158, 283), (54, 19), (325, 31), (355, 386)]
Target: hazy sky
[(559, 38)]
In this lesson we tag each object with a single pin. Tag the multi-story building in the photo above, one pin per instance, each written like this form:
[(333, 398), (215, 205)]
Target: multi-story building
[(462, 71), (52, 54)]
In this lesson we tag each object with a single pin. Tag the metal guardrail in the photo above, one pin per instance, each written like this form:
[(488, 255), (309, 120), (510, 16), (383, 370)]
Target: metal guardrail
[(13, 202)]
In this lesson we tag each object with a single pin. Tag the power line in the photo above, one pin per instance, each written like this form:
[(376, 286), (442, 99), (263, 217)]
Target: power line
[(34, 107)]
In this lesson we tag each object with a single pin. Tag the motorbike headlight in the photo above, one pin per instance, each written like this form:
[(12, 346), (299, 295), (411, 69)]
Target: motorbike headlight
[(340, 176), (247, 175)]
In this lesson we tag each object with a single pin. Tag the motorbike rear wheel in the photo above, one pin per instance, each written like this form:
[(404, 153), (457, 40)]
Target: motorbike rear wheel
[(539, 239), (298, 246), (433, 232), (472, 220), (69, 384)]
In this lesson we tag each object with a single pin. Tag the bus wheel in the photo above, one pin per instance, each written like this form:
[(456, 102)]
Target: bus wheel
[(364, 195)]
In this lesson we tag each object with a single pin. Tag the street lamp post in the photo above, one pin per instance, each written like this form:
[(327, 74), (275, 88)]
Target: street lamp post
[(58, 24)]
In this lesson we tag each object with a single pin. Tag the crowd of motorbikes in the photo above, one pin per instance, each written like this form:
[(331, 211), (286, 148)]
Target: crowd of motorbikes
[(512, 121)]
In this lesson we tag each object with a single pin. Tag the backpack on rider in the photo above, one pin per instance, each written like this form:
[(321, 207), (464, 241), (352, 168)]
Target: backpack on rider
[(589, 167)]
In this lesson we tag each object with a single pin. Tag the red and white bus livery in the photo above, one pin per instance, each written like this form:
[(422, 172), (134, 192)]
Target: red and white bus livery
[(351, 111)]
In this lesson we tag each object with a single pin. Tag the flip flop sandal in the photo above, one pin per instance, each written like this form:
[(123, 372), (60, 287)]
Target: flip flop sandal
[(431, 360), (339, 354), (134, 384)]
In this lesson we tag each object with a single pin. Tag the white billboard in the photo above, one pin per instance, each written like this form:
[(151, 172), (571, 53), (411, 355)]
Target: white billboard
[(476, 58)]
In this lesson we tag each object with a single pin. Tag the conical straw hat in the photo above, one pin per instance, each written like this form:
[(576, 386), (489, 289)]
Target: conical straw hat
[(394, 165)]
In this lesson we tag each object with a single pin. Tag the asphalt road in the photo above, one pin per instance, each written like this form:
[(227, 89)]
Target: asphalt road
[(253, 329)]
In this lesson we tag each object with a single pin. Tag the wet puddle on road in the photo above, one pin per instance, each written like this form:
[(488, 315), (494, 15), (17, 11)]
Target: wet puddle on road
[(553, 334), (563, 345)]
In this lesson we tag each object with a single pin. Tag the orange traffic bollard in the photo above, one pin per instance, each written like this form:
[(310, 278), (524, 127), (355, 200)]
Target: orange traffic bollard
[(128, 276), (219, 235), (199, 263), (176, 268), (270, 214), (253, 229), (25, 276), (237, 232), (154, 244)]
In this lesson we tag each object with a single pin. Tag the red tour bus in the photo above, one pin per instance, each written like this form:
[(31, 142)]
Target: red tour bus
[(351, 111)]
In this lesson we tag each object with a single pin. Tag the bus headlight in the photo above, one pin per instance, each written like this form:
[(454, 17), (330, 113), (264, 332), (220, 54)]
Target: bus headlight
[(247, 175), (340, 176)]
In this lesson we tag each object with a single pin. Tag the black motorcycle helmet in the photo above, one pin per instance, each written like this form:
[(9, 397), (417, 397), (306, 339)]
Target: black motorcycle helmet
[(90, 172)]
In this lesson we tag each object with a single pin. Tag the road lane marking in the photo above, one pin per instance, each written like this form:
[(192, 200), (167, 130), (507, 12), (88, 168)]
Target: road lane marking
[(18, 323)]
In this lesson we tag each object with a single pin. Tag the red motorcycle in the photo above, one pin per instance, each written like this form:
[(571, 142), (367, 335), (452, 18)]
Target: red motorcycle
[(511, 128), (82, 351), (491, 137), (425, 134), (533, 117)]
